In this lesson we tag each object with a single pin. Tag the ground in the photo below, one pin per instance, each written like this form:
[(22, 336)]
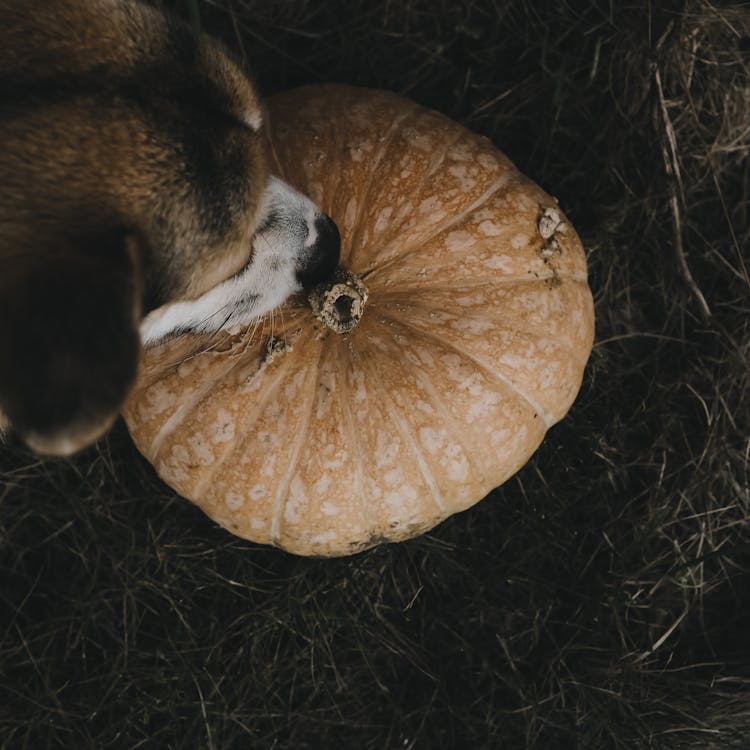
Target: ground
[(600, 598)]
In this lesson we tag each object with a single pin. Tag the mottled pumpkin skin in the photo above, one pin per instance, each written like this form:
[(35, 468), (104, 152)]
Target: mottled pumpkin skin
[(473, 343)]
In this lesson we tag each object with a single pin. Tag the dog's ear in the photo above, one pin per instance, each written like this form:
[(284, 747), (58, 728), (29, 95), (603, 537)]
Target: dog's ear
[(69, 341)]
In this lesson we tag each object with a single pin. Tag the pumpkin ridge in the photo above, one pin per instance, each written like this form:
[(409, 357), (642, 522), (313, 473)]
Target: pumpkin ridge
[(403, 428), (479, 362), (282, 493), (351, 423), (447, 418), (507, 323), (411, 287), (435, 164), (246, 420), (503, 181), (438, 162), (470, 284), (174, 421), (387, 139), (181, 413), (414, 285)]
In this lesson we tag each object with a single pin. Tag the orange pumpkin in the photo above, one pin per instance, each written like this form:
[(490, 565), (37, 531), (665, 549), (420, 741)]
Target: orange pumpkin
[(476, 324)]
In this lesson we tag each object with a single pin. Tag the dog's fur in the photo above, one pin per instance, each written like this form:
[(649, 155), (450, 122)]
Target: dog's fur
[(133, 181)]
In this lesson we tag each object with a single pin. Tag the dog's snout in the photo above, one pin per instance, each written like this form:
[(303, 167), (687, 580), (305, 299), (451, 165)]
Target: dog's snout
[(324, 253)]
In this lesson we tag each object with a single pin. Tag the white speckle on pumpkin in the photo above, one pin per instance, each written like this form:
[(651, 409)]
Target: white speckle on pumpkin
[(476, 326), (499, 263), (513, 361), (519, 241), (335, 463), (350, 214), (424, 407), (459, 240), (258, 492), (461, 152), (325, 538), (490, 228), (159, 397), (223, 427), (201, 449), (419, 140), (383, 219), (483, 402), (269, 465), (469, 301), (412, 358), (323, 485), (233, 500), (452, 366), (430, 205), (458, 469), (329, 509), (296, 501), (406, 210), (400, 498), (439, 316), (499, 437), (372, 489), (360, 391), (174, 467), (426, 356), (462, 174), (377, 342), (180, 453), (431, 440), (522, 203), (547, 377), (487, 161), (292, 387)]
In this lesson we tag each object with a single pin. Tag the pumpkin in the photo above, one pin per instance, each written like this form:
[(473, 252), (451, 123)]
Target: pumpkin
[(419, 379)]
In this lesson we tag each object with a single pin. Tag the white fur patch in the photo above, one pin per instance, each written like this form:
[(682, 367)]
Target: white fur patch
[(282, 245)]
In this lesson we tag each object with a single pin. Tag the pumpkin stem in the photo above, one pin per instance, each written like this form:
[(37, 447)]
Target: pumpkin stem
[(339, 302)]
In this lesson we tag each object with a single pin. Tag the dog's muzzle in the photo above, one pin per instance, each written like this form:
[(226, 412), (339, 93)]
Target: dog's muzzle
[(295, 247)]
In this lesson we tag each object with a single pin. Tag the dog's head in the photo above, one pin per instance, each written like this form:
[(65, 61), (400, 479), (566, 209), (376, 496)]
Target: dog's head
[(133, 175)]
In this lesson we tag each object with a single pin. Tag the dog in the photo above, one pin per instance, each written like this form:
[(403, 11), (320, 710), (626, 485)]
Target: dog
[(135, 203)]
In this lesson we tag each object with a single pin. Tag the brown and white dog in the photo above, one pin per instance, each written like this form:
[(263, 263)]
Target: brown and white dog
[(134, 191)]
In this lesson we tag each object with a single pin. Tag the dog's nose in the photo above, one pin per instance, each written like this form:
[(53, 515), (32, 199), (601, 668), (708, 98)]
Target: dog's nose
[(324, 254)]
